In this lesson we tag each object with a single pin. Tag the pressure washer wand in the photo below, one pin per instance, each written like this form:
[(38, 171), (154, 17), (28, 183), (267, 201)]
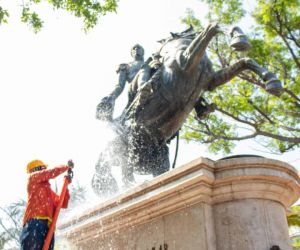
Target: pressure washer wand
[(67, 181)]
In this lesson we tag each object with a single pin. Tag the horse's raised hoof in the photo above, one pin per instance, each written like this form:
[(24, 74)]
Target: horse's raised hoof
[(274, 87), (239, 41), (104, 185)]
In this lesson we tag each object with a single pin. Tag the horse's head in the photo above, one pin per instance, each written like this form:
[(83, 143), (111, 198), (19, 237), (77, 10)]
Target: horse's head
[(177, 41)]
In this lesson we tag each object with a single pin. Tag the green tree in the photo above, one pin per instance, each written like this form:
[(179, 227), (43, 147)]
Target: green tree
[(293, 219), (11, 224), (244, 110), (88, 10), (293, 216), (78, 195)]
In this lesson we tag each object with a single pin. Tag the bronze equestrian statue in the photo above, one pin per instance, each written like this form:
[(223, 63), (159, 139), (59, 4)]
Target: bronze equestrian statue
[(175, 81)]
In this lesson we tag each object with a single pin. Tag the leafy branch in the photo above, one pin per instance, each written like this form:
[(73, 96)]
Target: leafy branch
[(89, 11)]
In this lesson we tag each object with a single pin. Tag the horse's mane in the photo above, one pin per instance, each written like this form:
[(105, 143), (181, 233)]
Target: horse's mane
[(189, 33)]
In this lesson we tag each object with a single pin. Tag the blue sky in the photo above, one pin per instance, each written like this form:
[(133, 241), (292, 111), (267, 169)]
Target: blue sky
[(52, 81)]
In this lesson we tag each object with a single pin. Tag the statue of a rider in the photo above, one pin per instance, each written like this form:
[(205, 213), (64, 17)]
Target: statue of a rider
[(135, 73)]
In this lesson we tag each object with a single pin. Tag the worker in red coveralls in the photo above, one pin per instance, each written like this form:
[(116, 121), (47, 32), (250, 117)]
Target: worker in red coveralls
[(41, 205)]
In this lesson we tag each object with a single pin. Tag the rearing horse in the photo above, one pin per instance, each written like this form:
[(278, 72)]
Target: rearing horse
[(162, 105)]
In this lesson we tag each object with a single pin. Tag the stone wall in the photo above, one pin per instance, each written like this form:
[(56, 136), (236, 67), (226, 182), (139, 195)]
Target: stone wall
[(234, 204)]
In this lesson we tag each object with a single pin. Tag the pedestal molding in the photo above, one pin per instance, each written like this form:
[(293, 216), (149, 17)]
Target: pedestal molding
[(175, 192), (200, 181), (255, 162)]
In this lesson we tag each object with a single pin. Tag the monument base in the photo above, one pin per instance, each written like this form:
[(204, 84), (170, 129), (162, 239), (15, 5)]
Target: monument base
[(236, 203)]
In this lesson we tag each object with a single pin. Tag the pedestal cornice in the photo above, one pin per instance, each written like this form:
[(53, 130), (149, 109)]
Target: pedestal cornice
[(200, 181)]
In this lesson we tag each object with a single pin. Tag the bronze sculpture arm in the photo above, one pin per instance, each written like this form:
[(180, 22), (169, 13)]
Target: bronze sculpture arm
[(122, 78)]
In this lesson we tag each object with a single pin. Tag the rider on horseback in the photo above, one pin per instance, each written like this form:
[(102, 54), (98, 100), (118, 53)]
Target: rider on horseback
[(136, 73)]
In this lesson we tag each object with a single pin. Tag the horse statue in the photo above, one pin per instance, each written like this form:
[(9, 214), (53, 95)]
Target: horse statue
[(163, 102)]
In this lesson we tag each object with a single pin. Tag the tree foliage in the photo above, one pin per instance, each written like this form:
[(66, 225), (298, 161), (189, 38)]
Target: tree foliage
[(11, 224), (78, 194), (293, 220), (88, 10), (244, 110), (293, 216)]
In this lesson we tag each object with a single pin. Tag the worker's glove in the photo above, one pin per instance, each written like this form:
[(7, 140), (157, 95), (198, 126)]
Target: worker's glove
[(71, 164), (70, 170)]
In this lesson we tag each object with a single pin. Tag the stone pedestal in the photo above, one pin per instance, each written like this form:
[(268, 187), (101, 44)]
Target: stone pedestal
[(235, 204)]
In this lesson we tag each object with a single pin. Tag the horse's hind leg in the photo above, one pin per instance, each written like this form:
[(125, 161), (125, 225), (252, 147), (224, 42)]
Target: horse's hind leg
[(103, 182), (161, 162), (273, 85)]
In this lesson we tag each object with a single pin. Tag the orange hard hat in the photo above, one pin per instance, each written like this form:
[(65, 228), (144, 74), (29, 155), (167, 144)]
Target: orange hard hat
[(35, 163)]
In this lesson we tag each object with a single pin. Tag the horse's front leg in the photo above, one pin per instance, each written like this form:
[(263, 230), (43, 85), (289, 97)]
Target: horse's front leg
[(126, 166), (191, 56), (127, 175), (103, 182), (273, 85)]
